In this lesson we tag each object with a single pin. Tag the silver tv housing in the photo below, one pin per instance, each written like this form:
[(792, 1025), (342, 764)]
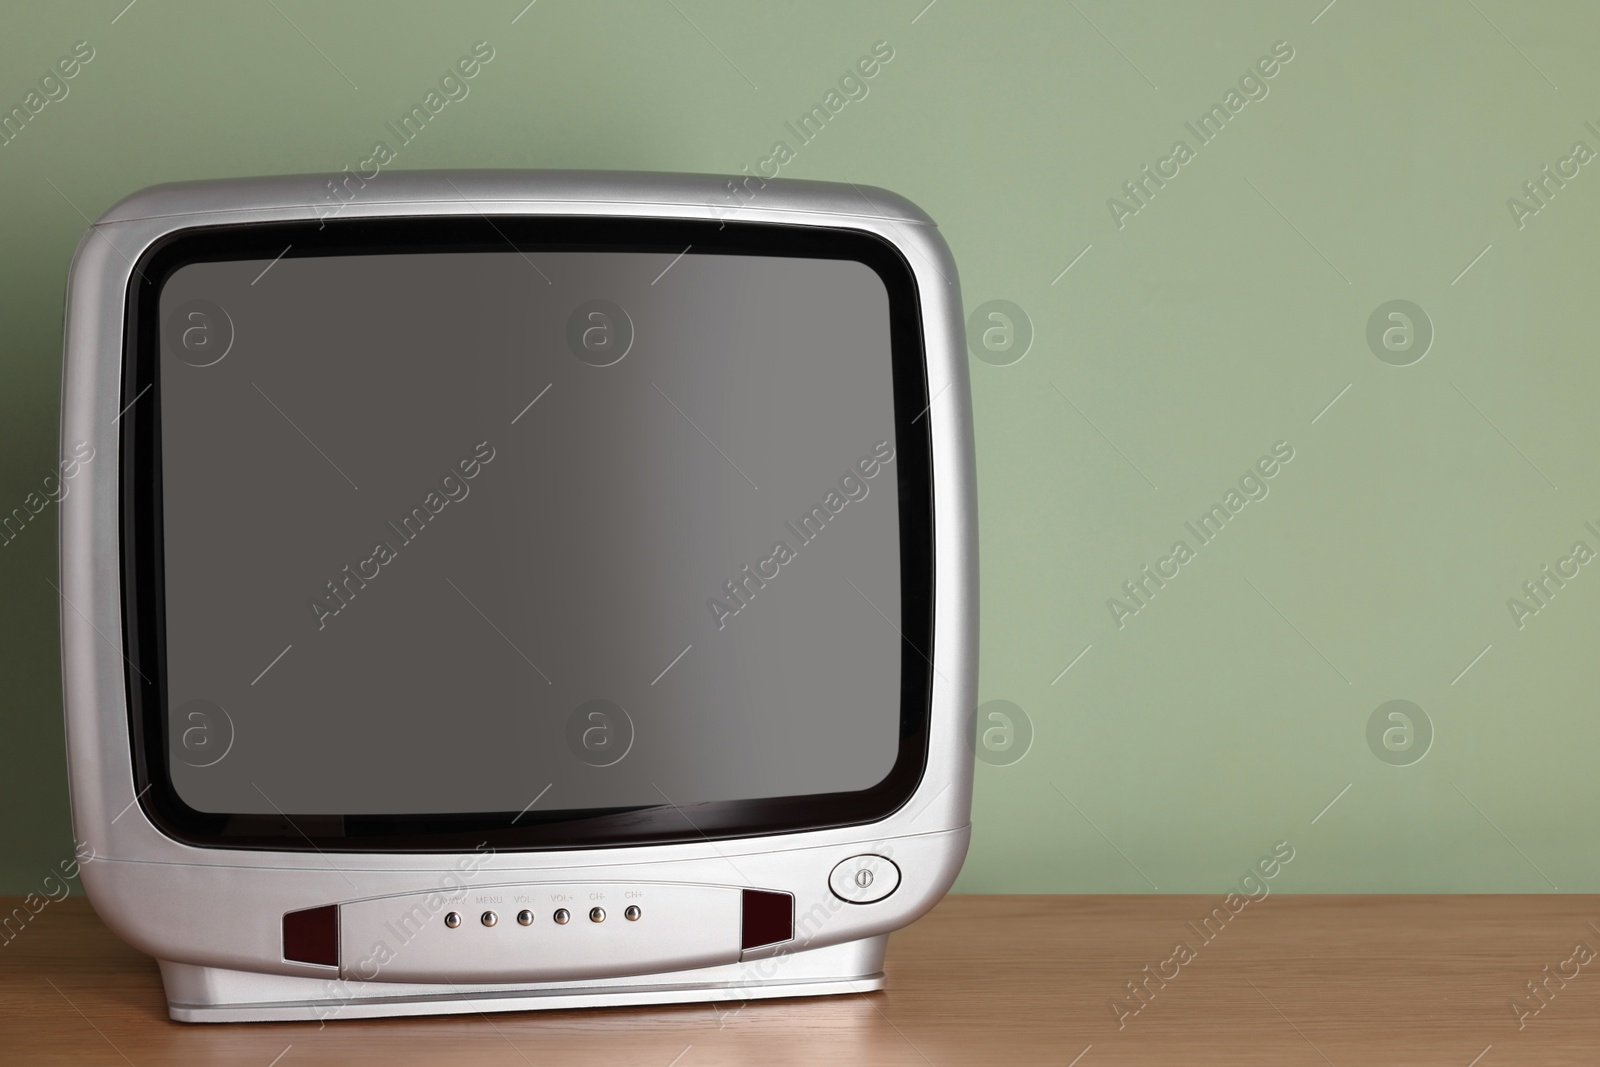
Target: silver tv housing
[(214, 916)]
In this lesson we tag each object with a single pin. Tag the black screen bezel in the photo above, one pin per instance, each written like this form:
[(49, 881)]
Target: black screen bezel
[(143, 580)]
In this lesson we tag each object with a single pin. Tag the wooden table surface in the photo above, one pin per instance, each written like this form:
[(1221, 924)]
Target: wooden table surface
[(983, 979)]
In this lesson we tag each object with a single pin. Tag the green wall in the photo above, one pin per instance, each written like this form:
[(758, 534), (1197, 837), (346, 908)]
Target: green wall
[(1192, 336)]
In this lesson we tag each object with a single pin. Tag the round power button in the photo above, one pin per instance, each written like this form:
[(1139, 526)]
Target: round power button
[(864, 879)]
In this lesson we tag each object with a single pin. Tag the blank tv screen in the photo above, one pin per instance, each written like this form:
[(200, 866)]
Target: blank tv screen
[(500, 531)]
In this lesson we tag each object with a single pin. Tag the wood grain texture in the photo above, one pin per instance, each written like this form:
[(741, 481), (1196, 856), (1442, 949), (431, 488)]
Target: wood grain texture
[(982, 980)]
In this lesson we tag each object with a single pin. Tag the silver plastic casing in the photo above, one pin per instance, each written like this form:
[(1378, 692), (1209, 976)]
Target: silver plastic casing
[(214, 917)]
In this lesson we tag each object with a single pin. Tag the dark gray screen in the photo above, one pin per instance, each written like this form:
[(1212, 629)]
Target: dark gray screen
[(456, 532)]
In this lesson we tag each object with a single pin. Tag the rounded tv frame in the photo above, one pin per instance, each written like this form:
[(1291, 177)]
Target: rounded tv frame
[(212, 913)]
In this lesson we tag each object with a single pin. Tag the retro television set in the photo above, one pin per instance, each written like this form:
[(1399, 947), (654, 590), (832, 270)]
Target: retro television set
[(506, 590)]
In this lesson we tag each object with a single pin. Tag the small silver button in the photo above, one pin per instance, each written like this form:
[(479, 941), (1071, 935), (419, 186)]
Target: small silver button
[(864, 879), (633, 913), (597, 915), (562, 916), (453, 920), (525, 917), (489, 918)]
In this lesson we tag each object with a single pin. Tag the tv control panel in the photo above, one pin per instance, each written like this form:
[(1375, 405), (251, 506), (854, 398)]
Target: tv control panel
[(548, 932)]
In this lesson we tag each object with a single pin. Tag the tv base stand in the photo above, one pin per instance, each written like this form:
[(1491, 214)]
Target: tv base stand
[(201, 994)]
